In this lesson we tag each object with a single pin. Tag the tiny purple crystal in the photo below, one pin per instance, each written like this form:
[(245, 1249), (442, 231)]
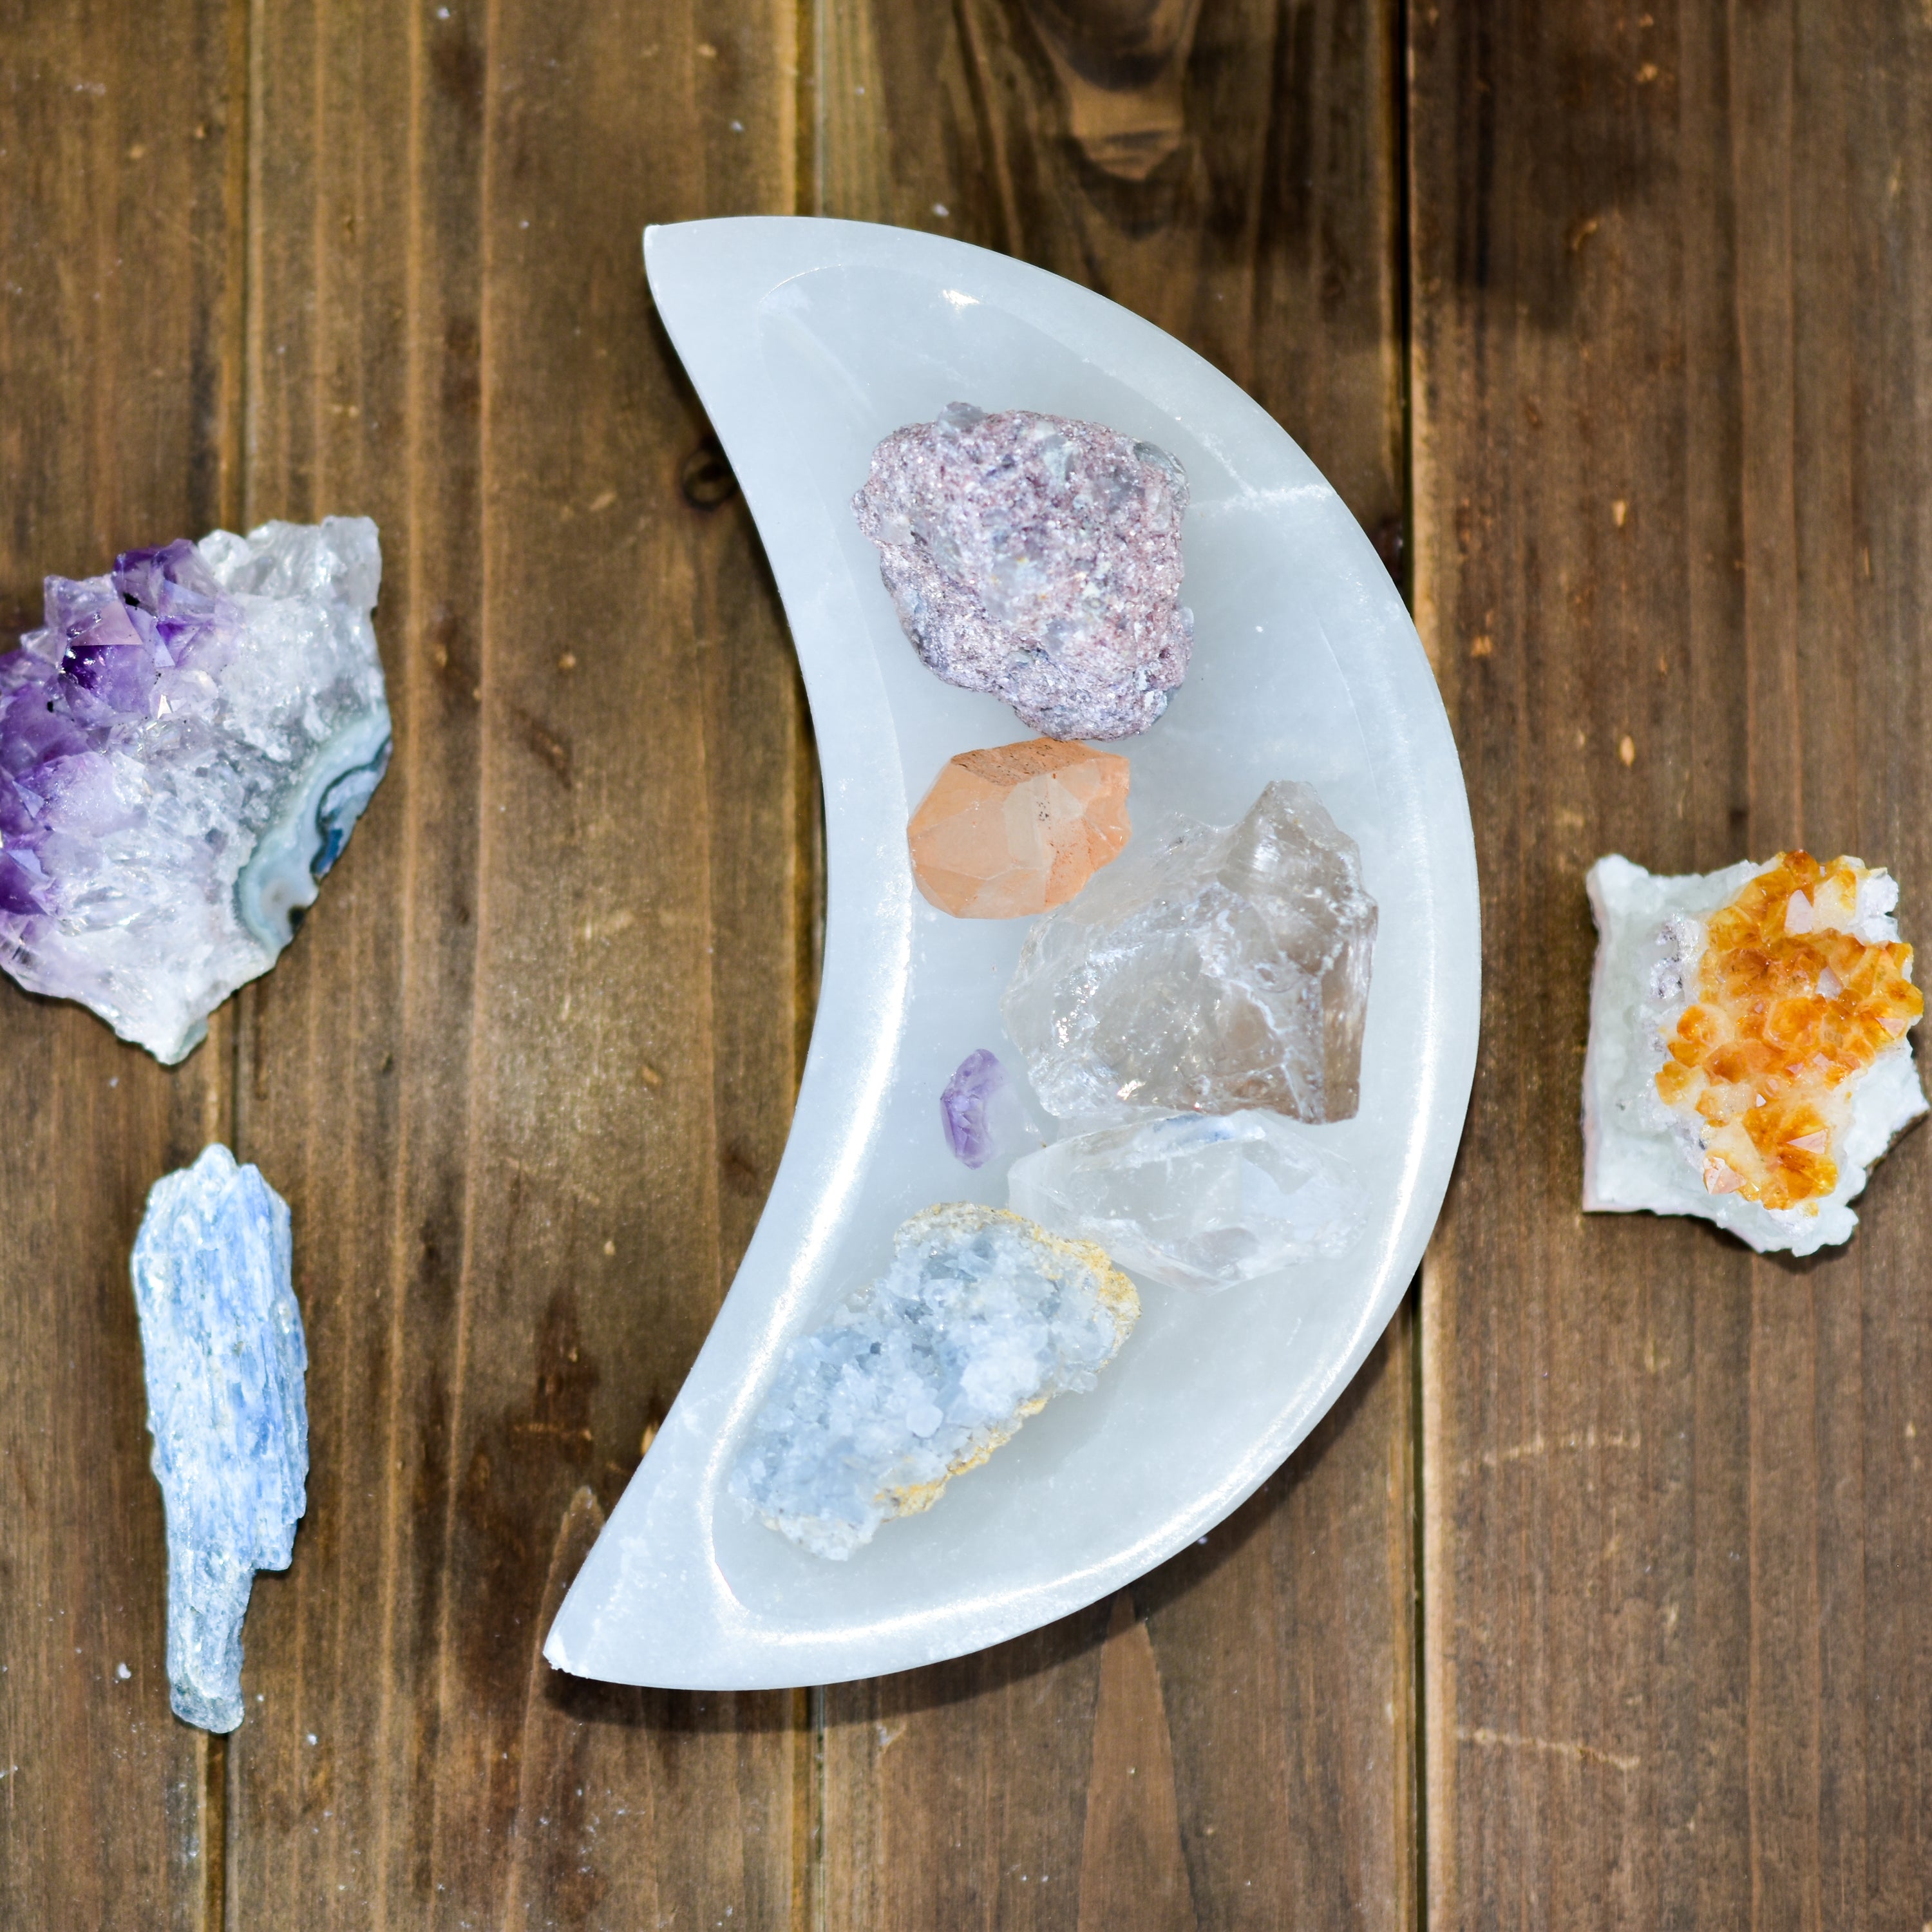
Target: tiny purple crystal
[(1038, 559), (965, 1108)]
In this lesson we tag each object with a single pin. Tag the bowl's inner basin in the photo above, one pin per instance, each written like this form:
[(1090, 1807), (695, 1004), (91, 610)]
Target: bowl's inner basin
[(1285, 596)]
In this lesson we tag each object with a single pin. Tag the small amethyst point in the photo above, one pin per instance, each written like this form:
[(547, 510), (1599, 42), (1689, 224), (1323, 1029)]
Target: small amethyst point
[(965, 1107)]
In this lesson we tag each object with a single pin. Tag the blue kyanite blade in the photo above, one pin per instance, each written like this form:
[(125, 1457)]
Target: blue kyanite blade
[(222, 1337)]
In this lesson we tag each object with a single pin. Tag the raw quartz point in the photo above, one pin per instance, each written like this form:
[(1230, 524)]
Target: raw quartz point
[(981, 1319), (981, 1113), (1007, 832), (1199, 1203), (184, 749), (1226, 969), (1037, 559), (221, 1339)]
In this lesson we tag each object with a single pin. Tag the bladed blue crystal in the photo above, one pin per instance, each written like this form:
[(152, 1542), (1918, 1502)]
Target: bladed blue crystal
[(221, 1336)]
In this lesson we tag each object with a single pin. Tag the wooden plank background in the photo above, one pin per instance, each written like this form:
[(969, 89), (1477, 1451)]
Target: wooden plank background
[(1673, 302), (1604, 1596)]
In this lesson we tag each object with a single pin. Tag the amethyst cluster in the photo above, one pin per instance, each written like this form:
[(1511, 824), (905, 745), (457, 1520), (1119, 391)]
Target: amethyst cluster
[(1037, 559), (185, 747)]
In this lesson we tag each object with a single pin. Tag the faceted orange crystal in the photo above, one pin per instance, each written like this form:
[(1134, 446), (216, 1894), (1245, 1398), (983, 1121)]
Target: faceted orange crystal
[(1010, 831), (1789, 1007)]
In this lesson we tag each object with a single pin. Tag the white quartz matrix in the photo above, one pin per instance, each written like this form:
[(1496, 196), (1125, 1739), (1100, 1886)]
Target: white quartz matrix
[(981, 1319)]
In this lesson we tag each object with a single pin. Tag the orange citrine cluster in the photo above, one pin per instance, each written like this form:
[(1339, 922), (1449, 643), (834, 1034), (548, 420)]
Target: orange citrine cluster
[(1789, 1007)]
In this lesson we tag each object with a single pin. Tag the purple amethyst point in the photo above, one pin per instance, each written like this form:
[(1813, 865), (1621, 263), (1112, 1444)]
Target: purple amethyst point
[(965, 1107)]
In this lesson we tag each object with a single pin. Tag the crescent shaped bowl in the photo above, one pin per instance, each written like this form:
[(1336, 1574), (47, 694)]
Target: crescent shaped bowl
[(809, 341)]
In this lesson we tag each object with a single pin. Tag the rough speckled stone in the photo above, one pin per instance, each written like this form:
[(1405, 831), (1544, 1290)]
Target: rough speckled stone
[(1038, 559)]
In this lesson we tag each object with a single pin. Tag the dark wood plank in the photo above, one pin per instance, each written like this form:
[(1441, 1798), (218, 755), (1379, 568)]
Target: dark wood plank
[(119, 205), (526, 1074), (1229, 1743), (1672, 295)]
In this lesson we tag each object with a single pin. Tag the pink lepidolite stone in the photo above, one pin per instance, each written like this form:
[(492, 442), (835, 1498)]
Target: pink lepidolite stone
[(1037, 559)]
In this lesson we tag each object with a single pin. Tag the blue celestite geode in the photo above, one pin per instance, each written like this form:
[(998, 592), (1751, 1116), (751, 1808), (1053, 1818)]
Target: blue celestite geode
[(982, 1318), (185, 746), (222, 1340)]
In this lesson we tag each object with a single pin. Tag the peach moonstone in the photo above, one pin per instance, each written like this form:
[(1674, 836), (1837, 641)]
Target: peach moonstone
[(1008, 832)]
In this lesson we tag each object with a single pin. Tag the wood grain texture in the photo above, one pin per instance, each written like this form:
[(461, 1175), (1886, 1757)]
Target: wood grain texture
[(119, 282), (1673, 279), (1229, 1743), (1267, 239), (526, 1073)]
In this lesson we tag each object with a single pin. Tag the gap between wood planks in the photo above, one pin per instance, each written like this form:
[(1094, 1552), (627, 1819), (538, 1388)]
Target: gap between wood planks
[(238, 198), (1418, 1470)]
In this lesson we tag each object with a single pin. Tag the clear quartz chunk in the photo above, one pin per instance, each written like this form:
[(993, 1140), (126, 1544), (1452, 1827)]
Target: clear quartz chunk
[(221, 1340), (1199, 1203), (982, 1318), (1223, 969), (184, 748)]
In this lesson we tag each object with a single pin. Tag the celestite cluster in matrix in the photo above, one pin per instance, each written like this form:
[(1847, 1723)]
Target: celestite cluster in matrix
[(184, 748), (981, 1319), (221, 1336)]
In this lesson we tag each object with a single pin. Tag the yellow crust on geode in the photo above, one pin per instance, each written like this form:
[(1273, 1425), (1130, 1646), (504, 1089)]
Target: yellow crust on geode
[(1786, 1014), (1112, 1290)]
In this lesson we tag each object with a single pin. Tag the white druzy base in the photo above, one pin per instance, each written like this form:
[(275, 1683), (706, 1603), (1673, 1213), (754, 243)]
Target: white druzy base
[(1635, 1156)]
